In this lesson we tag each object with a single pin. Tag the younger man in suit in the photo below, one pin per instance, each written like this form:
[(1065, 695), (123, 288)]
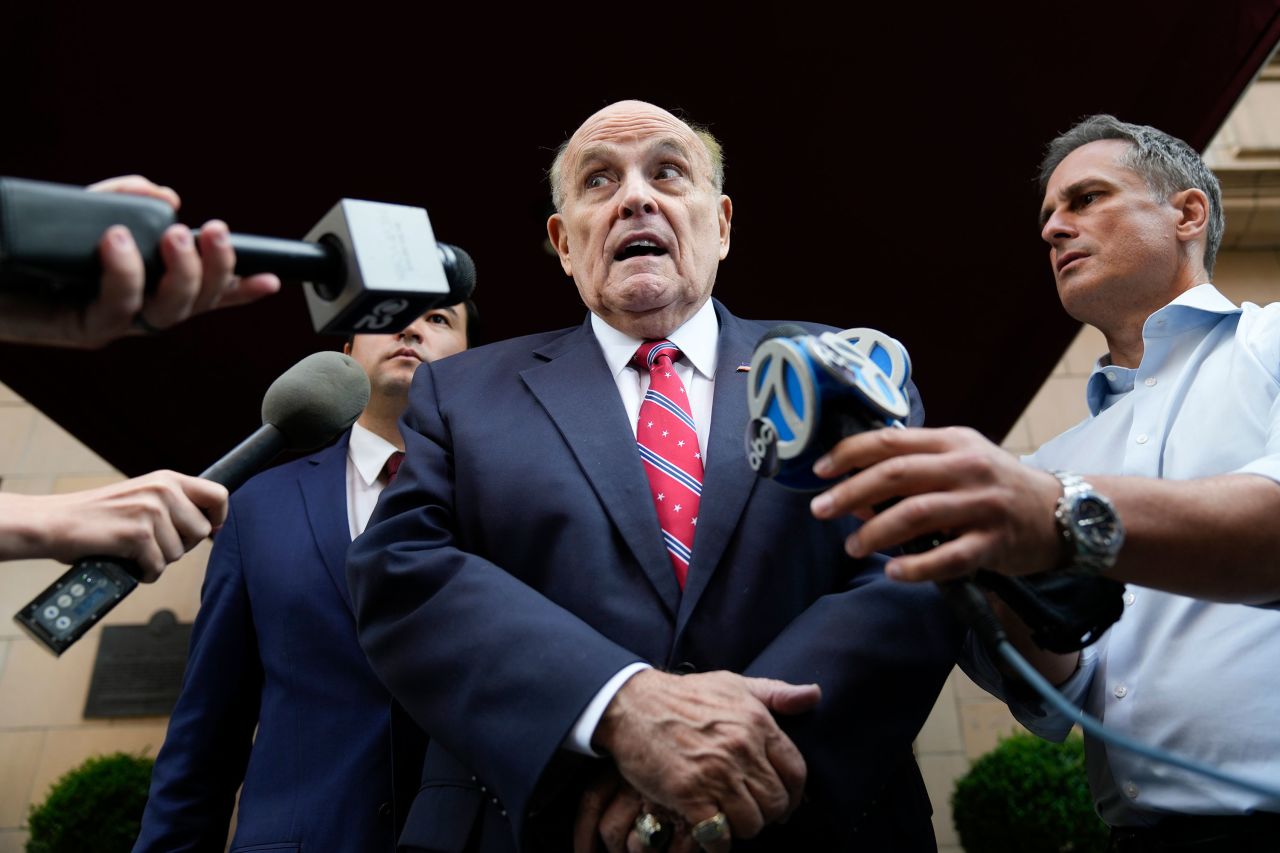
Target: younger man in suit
[(274, 647)]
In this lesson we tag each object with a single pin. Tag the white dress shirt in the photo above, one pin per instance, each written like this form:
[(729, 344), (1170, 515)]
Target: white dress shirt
[(698, 340), (367, 455), (1193, 677)]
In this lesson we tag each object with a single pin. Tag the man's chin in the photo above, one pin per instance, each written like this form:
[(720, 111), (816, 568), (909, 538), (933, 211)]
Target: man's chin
[(653, 323)]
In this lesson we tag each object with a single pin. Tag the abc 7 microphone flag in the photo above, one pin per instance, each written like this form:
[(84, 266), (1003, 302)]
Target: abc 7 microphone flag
[(806, 392)]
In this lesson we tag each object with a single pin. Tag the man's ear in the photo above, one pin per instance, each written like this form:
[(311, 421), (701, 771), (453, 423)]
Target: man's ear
[(1193, 213), (558, 234), (726, 217)]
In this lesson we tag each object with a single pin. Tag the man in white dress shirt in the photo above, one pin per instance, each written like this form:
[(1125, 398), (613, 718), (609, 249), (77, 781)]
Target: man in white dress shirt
[(1179, 497), (550, 591), (274, 647)]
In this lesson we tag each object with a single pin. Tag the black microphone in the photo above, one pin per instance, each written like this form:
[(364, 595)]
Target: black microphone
[(368, 266), (304, 408)]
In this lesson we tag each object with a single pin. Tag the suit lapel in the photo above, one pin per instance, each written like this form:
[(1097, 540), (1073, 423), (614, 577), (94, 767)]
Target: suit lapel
[(323, 485), (581, 398), (727, 479)]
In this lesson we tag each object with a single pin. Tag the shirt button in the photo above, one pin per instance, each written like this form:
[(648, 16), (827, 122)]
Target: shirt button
[(1121, 691), (1129, 598), (1149, 381), (1131, 790), (1111, 374), (1142, 439)]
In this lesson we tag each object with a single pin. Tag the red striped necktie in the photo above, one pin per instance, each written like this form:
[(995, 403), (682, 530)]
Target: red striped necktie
[(668, 441)]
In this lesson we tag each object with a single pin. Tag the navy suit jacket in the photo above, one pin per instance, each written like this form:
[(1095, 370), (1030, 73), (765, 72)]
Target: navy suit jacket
[(274, 646), (517, 564)]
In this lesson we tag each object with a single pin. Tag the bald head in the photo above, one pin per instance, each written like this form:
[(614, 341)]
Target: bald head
[(633, 113), (641, 225)]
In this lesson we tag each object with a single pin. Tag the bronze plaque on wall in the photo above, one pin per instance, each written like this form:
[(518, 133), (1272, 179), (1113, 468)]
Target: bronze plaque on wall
[(138, 670)]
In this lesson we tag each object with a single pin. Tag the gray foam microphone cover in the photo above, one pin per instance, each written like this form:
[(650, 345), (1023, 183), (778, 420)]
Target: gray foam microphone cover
[(316, 399)]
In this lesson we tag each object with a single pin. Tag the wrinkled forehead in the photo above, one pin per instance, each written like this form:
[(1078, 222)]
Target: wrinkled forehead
[(644, 125)]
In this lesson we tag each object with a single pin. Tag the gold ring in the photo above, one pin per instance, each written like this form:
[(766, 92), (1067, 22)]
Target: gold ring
[(654, 834), (712, 829)]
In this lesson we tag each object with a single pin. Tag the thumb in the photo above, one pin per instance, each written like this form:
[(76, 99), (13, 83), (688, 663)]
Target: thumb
[(782, 697)]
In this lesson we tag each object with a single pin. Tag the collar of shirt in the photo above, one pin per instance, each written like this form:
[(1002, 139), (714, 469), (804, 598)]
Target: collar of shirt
[(1194, 307), (369, 453), (697, 340)]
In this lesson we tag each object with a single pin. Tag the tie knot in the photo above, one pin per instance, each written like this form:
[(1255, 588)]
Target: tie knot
[(393, 465), (650, 351)]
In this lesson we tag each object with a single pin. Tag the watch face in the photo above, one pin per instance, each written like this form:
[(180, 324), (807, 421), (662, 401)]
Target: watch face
[(1096, 523)]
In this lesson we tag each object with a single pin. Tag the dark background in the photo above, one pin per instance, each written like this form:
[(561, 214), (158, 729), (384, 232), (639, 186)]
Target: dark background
[(881, 161)]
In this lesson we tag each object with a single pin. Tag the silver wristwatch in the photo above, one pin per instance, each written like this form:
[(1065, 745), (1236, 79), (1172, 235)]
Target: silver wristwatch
[(1091, 531)]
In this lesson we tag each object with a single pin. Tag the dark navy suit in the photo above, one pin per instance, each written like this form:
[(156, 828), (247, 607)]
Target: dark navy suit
[(516, 564), (274, 646)]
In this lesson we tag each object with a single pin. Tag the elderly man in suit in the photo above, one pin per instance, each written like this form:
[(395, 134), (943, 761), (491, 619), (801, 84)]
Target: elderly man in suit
[(274, 647), (578, 584)]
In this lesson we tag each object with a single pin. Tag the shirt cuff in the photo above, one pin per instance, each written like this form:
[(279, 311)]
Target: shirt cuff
[(1027, 707), (579, 738)]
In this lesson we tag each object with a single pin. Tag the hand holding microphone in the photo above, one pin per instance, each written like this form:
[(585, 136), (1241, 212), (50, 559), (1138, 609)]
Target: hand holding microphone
[(195, 276), (307, 406), (367, 266), (948, 479), (153, 520), (949, 500)]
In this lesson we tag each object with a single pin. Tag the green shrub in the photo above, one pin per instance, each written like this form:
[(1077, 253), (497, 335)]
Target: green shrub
[(97, 806), (1028, 796)]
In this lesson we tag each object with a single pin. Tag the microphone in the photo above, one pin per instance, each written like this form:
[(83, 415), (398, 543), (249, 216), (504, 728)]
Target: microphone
[(367, 266), (304, 408), (807, 392), (798, 409)]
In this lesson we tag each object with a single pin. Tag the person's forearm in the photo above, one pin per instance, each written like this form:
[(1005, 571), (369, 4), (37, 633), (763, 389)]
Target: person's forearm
[(21, 534), (1216, 538)]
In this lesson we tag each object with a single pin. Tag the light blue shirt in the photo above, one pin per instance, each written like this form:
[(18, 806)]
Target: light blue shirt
[(1193, 677)]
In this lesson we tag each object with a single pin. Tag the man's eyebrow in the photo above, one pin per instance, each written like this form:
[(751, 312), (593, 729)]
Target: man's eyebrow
[(599, 151), (671, 144), (594, 153)]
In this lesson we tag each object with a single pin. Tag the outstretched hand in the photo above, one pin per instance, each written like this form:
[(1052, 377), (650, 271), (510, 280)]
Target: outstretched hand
[(997, 511), (153, 520)]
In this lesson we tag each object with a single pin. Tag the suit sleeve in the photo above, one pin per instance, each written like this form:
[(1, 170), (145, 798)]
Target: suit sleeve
[(881, 652), (495, 671), (206, 748)]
